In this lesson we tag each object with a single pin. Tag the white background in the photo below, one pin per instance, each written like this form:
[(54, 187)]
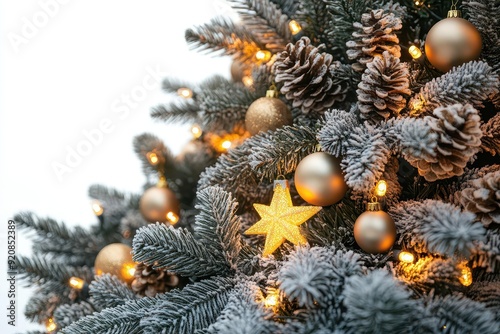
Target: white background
[(62, 79)]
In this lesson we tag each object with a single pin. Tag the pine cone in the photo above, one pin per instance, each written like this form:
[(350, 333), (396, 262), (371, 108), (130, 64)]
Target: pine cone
[(383, 87), (459, 138), (374, 36), (148, 281), (483, 198), (312, 80)]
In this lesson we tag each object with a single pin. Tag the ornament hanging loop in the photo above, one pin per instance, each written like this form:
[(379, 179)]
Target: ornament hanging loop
[(373, 205), (272, 91), (454, 12)]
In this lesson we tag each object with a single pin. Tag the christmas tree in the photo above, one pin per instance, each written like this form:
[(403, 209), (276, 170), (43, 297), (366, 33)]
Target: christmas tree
[(346, 180)]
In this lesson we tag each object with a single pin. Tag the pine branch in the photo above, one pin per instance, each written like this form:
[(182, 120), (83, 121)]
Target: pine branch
[(335, 131), (224, 37), (38, 269), (318, 23), (366, 154), (458, 314), (377, 303), (223, 104), (487, 254), (288, 7), (41, 305), (176, 250), (279, 152), (66, 314), (437, 227), (470, 83), (484, 15), (192, 308), (76, 246), (147, 143), (123, 319), (108, 291), (177, 112), (244, 314), (266, 22), (171, 85), (317, 275), (217, 226)]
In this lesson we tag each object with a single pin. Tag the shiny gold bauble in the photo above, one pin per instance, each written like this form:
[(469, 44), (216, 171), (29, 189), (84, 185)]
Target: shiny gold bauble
[(159, 204), (319, 179), (452, 42), (267, 113), (375, 231), (115, 259)]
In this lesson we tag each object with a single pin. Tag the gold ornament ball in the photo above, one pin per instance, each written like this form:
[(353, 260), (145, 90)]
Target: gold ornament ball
[(159, 204), (267, 113), (239, 70), (452, 42), (115, 259), (319, 179), (375, 231)]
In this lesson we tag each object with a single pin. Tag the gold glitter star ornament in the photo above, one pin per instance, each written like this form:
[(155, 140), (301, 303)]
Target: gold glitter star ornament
[(280, 221)]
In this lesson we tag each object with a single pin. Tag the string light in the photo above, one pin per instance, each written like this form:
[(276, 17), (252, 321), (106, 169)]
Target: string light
[(247, 81), (417, 105), (97, 207), (272, 298), (185, 92), (50, 325), (172, 217), (415, 52), (294, 27), (263, 55), (465, 274), (76, 283), (152, 158), (196, 131), (406, 257), (380, 188), (226, 144), (128, 271)]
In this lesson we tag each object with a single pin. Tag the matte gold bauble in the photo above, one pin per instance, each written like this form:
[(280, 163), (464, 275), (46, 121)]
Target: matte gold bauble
[(159, 204), (115, 259), (319, 179), (239, 70), (374, 230), (452, 42), (267, 113)]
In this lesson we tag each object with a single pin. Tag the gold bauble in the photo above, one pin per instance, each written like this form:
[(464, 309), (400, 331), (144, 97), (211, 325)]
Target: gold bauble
[(375, 231), (452, 42), (239, 70), (319, 179), (159, 204), (115, 259), (267, 113)]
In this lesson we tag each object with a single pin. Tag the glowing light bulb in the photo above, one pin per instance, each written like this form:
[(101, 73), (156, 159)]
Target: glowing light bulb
[(294, 27), (406, 257), (271, 300), (417, 105), (196, 131), (381, 188), (152, 158), (247, 81), (50, 325), (226, 144), (465, 274), (76, 283), (97, 207), (128, 271), (414, 52), (263, 55), (185, 92), (172, 217)]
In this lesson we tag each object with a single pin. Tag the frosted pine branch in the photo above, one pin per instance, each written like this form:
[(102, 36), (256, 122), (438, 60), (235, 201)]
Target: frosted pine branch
[(177, 250), (108, 291)]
